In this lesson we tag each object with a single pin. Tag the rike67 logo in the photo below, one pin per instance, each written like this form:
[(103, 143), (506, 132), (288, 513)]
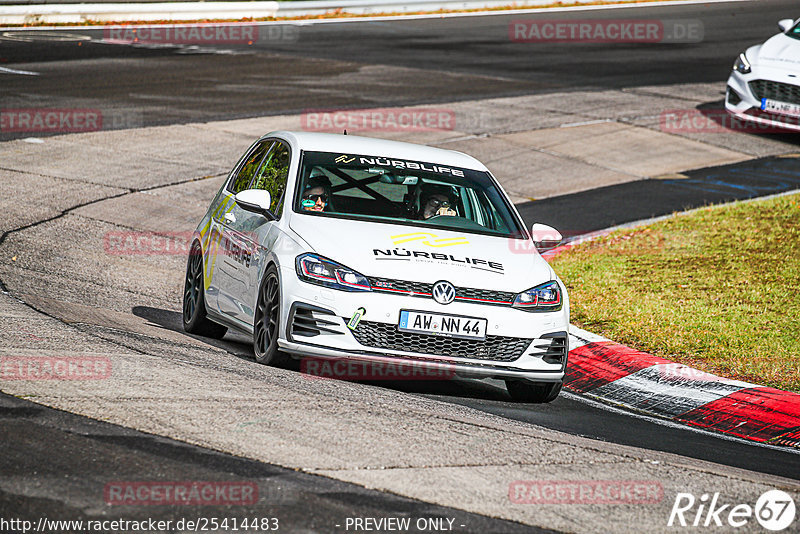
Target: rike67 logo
[(774, 510)]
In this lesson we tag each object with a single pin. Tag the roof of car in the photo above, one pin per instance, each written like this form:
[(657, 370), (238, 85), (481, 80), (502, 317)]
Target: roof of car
[(369, 146)]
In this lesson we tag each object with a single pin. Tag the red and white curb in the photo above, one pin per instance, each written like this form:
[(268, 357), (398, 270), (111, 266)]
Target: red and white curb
[(619, 375)]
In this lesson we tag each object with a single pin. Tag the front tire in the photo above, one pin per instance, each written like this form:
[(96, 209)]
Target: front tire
[(267, 320), (533, 392), (195, 318)]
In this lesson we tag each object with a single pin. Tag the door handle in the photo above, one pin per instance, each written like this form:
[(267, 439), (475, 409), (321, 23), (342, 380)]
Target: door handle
[(230, 218)]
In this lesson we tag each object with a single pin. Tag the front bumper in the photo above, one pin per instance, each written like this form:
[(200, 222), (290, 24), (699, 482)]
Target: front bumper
[(742, 103), (518, 344), (443, 368)]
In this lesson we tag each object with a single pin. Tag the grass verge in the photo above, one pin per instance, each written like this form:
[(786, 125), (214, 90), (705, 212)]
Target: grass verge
[(717, 289)]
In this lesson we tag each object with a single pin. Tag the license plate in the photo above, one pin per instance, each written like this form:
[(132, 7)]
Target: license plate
[(783, 108), (442, 325)]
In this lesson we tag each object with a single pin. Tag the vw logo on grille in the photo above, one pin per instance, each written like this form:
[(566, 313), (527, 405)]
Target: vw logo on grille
[(444, 292)]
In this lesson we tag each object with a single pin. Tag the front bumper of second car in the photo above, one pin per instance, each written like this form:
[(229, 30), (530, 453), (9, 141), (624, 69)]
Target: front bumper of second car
[(744, 93), (518, 344)]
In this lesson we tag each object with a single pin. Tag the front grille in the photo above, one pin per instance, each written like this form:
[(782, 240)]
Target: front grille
[(493, 297), (782, 92), (421, 289), (400, 286), (387, 336)]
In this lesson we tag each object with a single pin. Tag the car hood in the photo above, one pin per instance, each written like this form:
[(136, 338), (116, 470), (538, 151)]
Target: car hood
[(779, 51), (420, 254)]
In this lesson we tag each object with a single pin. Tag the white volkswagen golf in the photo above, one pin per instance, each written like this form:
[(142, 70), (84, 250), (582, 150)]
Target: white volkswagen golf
[(336, 246)]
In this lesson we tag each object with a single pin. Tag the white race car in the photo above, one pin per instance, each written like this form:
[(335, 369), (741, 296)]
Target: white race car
[(336, 246), (764, 86)]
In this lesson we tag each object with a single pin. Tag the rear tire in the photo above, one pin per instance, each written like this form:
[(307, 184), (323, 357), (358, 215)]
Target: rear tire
[(267, 320), (533, 392), (195, 318)]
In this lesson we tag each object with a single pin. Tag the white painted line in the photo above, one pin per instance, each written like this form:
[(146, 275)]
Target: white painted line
[(14, 71), (576, 342), (579, 337), (584, 123), (29, 37)]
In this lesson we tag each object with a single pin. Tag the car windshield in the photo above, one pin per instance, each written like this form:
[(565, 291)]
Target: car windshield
[(794, 32), (403, 192)]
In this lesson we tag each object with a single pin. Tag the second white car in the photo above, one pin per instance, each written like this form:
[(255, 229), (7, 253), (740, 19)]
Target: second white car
[(764, 87)]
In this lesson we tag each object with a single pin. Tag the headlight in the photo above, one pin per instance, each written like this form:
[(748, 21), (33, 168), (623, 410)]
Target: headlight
[(324, 272), (544, 297), (741, 65)]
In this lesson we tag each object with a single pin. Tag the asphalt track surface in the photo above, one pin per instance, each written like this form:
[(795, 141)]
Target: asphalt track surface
[(46, 446), (466, 58)]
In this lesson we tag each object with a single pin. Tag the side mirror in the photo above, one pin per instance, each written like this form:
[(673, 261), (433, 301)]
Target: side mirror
[(545, 237), (256, 201), (785, 25)]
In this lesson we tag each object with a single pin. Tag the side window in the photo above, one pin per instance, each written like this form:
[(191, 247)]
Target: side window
[(242, 180), (493, 219), (273, 175)]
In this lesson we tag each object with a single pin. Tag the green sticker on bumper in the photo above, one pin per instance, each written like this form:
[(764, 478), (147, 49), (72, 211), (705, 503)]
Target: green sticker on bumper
[(356, 318)]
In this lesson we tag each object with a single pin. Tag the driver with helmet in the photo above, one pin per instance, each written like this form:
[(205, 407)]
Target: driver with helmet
[(436, 200), (317, 192)]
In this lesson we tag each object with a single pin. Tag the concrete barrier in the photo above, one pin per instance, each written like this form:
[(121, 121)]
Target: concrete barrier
[(70, 12), (120, 12)]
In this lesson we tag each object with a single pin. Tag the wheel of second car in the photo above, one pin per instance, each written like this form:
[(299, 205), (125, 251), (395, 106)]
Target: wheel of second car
[(195, 318), (267, 319), (533, 392)]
